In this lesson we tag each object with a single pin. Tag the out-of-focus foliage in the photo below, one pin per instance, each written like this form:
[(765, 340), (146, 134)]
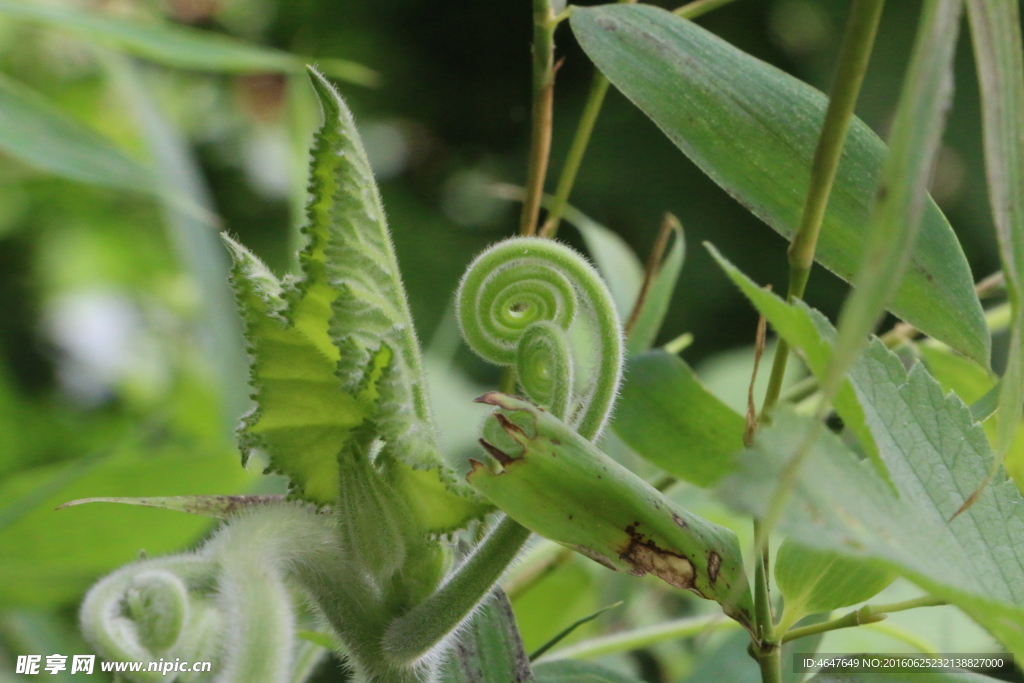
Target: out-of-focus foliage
[(116, 370)]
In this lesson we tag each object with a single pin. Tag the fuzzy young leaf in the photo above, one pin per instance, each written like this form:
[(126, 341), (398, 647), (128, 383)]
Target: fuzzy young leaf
[(336, 349), (712, 100), (560, 485), (936, 456)]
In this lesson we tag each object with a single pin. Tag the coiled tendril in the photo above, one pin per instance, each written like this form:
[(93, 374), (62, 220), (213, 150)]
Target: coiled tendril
[(538, 306)]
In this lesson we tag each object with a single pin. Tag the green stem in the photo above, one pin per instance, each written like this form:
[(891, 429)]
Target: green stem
[(770, 661), (867, 614), (692, 10), (421, 628), (643, 637), (598, 90), (584, 129), (763, 619), (854, 54), (544, 23)]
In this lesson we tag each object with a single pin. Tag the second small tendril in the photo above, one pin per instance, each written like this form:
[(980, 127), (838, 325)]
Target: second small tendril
[(524, 303)]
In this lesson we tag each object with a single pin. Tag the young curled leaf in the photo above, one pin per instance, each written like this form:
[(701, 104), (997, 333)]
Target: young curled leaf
[(561, 486)]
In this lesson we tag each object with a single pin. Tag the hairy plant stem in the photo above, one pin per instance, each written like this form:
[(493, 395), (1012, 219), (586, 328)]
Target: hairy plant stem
[(421, 628), (865, 615), (544, 24), (584, 129), (854, 54)]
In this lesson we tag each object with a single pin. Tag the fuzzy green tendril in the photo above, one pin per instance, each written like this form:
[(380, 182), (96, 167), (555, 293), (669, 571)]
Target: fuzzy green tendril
[(519, 305)]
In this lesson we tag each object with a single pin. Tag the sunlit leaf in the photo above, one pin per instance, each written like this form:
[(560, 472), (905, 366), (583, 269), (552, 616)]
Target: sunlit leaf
[(715, 102)]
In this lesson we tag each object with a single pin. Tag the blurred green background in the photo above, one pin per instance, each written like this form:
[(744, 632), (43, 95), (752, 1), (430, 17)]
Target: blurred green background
[(121, 364)]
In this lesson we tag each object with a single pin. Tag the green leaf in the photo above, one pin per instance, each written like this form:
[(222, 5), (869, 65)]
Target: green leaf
[(811, 335), (614, 259), (36, 132), (999, 54), (558, 484), (667, 416), (814, 581), (956, 373), (936, 456), (568, 671), (302, 418), (489, 649), (893, 245), (49, 557), (336, 350), (659, 295), (218, 507), (178, 46), (712, 100)]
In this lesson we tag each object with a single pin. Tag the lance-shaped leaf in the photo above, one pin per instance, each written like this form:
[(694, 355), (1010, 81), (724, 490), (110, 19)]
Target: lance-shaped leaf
[(36, 132), (660, 283), (336, 350), (936, 456), (667, 416), (561, 486), (896, 215), (810, 333), (712, 99), (999, 54), (176, 45), (218, 507)]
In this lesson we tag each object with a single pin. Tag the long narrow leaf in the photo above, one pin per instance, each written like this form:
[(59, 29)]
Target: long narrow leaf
[(36, 132), (999, 54), (712, 100), (178, 46), (194, 236), (902, 193)]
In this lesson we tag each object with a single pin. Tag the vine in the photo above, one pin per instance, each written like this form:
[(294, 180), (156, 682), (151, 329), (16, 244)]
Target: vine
[(524, 303)]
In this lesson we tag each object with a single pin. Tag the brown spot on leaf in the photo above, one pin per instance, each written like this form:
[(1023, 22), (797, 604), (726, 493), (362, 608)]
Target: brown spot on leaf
[(498, 454), (680, 522), (646, 557), (513, 430), (714, 564)]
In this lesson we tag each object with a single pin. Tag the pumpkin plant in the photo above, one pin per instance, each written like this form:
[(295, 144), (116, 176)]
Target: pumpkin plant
[(390, 553)]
